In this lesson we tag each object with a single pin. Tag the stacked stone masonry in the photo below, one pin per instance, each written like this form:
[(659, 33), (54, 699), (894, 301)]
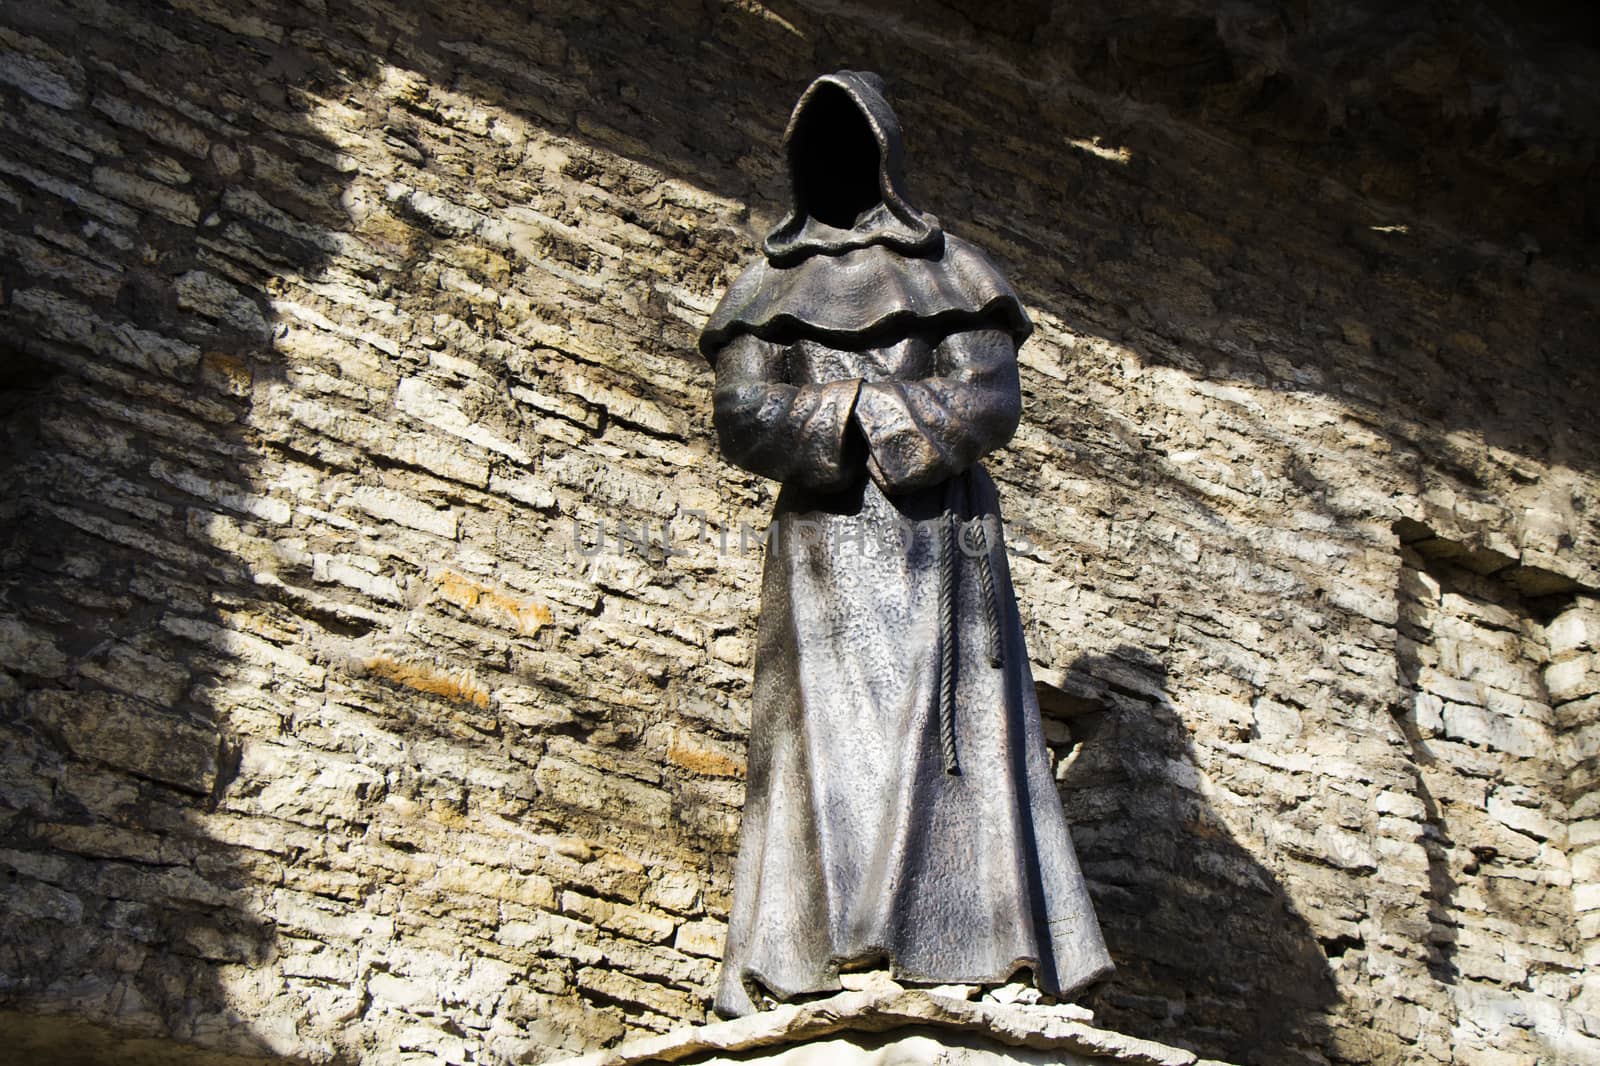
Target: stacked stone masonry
[(376, 615)]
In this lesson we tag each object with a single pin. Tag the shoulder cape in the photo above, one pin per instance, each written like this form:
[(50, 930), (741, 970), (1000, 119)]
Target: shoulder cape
[(863, 293)]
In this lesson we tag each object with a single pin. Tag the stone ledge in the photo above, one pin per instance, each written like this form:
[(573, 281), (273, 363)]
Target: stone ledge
[(929, 1028)]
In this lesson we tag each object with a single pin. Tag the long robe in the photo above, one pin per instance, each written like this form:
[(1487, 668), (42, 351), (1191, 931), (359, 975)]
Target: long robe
[(899, 804)]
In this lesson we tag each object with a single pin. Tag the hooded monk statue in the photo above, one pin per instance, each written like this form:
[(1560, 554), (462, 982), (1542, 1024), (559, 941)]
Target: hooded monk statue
[(900, 811)]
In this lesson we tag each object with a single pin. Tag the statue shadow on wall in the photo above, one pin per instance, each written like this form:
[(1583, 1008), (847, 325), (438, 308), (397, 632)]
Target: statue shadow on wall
[(1210, 951)]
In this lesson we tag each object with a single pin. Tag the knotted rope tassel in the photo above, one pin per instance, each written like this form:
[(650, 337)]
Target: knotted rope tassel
[(978, 545), (947, 642)]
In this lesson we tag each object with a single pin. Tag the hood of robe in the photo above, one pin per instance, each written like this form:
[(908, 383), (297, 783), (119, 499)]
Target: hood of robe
[(845, 150), (853, 263)]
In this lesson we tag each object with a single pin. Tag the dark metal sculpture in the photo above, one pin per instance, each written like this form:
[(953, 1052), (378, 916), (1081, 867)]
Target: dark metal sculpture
[(900, 808)]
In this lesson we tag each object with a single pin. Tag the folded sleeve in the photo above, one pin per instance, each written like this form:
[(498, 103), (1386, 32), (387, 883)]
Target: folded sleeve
[(790, 433), (921, 432)]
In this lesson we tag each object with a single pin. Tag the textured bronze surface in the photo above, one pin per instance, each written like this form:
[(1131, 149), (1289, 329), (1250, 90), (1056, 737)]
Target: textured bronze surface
[(900, 808)]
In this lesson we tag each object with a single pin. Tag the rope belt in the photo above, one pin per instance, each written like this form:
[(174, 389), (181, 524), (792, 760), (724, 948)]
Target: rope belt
[(975, 543), (947, 642)]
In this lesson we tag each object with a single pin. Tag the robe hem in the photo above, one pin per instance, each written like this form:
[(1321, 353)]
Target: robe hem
[(750, 979)]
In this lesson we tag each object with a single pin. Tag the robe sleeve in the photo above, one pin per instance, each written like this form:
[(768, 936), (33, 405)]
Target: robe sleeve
[(922, 432), (786, 432)]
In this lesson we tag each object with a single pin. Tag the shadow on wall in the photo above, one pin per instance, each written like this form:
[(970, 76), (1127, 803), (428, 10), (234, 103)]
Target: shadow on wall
[(135, 329), (1210, 951)]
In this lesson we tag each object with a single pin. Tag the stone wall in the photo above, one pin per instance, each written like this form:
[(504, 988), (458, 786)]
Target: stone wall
[(334, 337)]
